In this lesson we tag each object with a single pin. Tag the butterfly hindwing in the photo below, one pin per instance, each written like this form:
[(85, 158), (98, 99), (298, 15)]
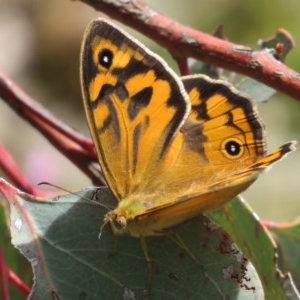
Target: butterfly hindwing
[(223, 135), (202, 171), (223, 124), (135, 104)]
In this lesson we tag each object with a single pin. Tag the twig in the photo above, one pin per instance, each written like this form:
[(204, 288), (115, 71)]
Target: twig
[(15, 279), (73, 145), (4, 277), (13, 172), (183, 42)]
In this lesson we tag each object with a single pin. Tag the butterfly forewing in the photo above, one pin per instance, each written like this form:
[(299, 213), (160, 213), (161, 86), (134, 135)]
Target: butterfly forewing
[(135, 105)]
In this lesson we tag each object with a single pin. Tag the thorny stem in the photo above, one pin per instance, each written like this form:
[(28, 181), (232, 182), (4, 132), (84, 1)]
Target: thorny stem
[(183, 42)]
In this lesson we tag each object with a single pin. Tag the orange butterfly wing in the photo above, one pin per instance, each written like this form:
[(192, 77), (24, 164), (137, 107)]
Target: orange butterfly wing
[(134, 104)]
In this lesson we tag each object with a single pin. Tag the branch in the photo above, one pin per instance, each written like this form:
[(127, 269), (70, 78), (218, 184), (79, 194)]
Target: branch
[(73, 145), (183, 41), (13, 172)]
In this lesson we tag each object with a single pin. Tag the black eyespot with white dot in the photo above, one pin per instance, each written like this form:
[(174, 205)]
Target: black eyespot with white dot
[(105, 58), (232, 148)]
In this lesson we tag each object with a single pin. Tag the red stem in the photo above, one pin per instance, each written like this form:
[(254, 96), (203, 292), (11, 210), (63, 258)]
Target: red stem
[(15, 279), (11, 169), (4, 277), (183, 42), (8, 275), (74, 146)]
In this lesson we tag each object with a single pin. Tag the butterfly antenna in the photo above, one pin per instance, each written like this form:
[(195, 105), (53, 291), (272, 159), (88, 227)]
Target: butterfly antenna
[(88, 200), (106, 221)]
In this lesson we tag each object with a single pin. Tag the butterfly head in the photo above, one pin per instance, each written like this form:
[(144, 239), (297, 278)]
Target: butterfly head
[(127, 217), (117, 222)]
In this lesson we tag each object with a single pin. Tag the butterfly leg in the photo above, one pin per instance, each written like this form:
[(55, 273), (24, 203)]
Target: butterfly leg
[(115, 247), (148, 264)]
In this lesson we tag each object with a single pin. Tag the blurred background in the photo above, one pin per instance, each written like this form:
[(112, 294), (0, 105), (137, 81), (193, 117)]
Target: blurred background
[(39, 50)]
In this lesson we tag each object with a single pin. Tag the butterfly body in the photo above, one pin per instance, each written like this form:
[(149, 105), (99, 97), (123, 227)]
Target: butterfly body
[(170, 148)]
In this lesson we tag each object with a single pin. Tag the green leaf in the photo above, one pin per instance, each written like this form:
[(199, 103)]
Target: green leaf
[(59, 236), (282, 38), (257, 244), (256, 90), (287, 237)]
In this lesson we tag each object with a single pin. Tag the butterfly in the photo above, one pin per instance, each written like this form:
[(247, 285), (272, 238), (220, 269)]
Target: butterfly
[(169, 147)]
